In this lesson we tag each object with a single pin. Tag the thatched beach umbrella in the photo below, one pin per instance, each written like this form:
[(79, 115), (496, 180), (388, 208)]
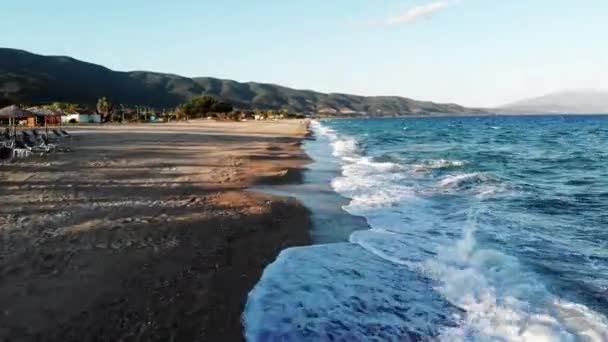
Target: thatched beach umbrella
[(45, 113), (12, 113), (15, 112)]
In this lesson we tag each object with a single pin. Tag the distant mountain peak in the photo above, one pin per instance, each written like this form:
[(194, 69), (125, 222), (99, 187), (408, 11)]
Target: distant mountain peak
[(575, 101)]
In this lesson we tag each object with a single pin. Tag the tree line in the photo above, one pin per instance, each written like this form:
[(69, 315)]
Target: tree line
[(199, 107)]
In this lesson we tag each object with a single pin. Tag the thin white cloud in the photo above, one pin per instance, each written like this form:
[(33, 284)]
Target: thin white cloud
[(416, 13)]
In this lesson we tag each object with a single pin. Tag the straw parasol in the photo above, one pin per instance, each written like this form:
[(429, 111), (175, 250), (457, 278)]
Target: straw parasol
[(41, 111), (44, 112), (12, 113)]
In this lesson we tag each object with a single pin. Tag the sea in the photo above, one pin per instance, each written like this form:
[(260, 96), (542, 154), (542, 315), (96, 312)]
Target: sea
[(487, 228)]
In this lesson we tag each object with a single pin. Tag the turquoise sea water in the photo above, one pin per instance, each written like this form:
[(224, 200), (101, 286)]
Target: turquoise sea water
[(480, 229)]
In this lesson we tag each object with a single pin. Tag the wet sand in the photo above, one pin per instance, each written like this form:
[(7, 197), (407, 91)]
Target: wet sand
[(145, 232)]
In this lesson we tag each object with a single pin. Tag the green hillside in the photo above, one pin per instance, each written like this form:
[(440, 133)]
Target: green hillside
[(34, 79)]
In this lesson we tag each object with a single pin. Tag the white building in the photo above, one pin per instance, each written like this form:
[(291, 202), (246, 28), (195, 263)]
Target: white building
[(80, 118)]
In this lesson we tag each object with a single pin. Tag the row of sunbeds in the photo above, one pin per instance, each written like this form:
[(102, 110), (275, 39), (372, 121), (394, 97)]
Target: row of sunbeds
[(26, 143)]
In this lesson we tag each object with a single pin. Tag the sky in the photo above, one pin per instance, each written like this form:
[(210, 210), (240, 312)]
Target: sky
[(471, 52)]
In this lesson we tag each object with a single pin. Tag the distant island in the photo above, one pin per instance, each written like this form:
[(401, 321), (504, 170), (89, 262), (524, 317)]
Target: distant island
[(27, 78)]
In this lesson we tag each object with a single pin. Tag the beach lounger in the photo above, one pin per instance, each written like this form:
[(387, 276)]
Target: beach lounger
[(29, 138), (66, 134), (54, 147), (41, 137), (57, 134), (47, 137), (7, 143), (21, 149), (47, 142), (37, 147), (24, 141)]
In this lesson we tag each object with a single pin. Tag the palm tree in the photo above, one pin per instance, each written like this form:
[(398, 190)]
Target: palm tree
[(122, 113), (63, 107), (104, 107), (71, 108)]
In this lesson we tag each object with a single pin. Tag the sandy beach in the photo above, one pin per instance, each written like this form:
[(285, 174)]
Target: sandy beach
[(145, 232)]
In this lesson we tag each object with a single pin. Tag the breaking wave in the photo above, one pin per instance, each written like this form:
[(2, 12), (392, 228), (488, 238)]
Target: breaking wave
[(420, 272)]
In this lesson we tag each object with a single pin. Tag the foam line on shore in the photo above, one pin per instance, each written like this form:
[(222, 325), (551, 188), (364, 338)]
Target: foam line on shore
[(486, 294)]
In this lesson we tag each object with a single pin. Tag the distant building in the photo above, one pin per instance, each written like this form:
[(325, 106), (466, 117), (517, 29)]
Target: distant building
[(80, 118)]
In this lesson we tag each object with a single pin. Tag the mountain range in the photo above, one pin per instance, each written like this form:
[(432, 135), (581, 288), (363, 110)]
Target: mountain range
[(565, 102), (33, 79)]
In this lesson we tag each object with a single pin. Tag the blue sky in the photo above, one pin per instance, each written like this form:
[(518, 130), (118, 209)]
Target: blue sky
[(472, 52)]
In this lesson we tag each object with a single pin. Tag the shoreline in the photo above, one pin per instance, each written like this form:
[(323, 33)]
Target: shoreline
[(150, 235), (314, 189)]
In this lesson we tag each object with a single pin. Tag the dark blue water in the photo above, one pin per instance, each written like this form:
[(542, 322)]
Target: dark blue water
[(492, 228)]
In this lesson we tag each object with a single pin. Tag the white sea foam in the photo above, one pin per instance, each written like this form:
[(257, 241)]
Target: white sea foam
[(345, 148), (490, 190), (323, 130), (400, 249), (437, 164), (359, 290), (363, 180), (482, 185), (339, 292), (503, 301), (461, 180)]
